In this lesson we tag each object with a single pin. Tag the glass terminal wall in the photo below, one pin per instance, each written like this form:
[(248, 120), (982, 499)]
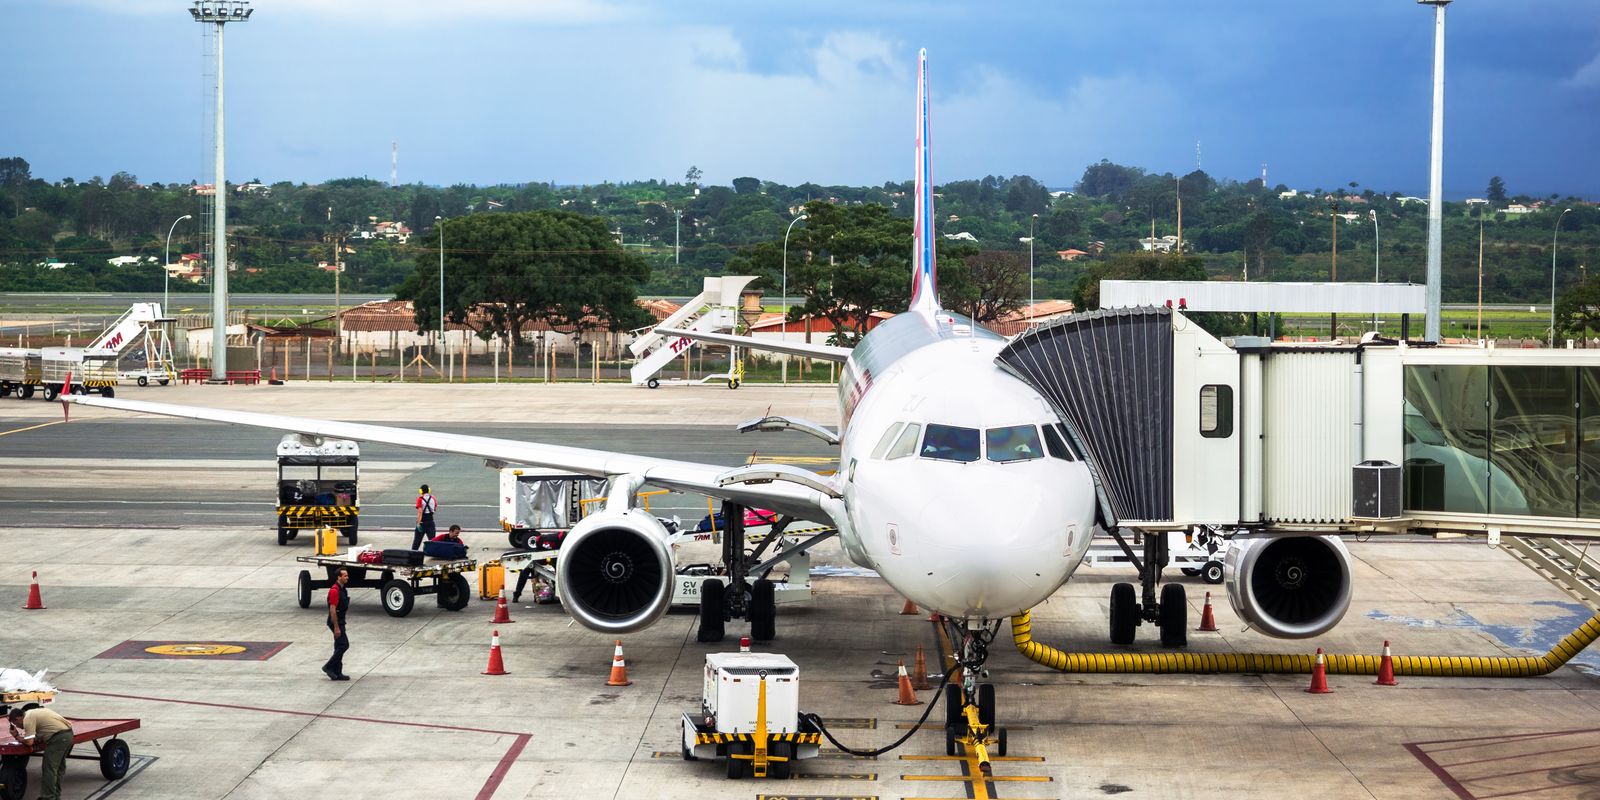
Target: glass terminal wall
[(1515, 440)]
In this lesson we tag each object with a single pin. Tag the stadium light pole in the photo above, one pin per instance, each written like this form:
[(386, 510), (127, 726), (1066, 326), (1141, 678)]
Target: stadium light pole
[(1373, 213), (439, 221), (219, 13), (1436, 175), (1553, 237), (784, 328), (167, 259)]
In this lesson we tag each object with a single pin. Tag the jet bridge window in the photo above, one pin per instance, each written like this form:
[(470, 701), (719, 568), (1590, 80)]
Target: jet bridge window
[(1013, 443), (1216, 411), (907, 443), (949, 443)]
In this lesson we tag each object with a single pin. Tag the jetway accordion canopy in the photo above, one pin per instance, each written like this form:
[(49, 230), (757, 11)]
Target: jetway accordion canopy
[(1267, 296)]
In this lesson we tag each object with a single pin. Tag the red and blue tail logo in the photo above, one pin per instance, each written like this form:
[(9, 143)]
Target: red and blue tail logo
[(924, 266)]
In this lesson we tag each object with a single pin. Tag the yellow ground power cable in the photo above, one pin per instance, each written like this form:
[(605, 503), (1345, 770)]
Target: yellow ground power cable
[(1301, 663)]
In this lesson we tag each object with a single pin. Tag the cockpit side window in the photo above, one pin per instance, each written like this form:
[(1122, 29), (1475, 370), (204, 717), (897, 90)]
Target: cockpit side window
[(907, 443), (949, 443), (888, 439), (1057, 443), (1013, 443)]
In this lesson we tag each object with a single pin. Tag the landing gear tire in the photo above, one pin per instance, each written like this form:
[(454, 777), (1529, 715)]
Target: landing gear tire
[(986, 704), (397, 598), (1212, 572), (1124, 613), (1174, 616), (763, 611), (114, 759), (454, 592), (713, 613), (952, 705), (303, 589), (654, 383)]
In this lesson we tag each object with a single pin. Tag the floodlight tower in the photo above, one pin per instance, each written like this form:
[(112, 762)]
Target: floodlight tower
[(219, 13), (1436, 175)]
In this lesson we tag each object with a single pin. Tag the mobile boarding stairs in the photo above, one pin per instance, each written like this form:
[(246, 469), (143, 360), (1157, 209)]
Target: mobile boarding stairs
[(714, 310)]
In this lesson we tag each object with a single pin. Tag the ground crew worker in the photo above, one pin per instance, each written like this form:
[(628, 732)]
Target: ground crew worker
[(427, 506), (338, 602), (38, 725)]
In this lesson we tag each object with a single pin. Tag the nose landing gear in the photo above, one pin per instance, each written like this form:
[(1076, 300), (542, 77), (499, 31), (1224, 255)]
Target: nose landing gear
[(969, 723)]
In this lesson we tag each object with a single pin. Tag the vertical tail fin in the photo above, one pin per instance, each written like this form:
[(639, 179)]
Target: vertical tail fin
[(924, 267)]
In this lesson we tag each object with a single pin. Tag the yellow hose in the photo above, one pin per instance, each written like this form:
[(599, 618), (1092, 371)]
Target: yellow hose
[(1301, 663)]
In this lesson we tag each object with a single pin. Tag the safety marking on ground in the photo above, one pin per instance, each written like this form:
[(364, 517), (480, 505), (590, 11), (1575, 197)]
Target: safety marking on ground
[(824, 756), (220, 651), (834, 776), (970, 779), (906, 726), (31, 427), (1496, 766), (964, 758), (759, 458), (977, 784), (519, 741), (854, 723), (136, 765), (816, 797)]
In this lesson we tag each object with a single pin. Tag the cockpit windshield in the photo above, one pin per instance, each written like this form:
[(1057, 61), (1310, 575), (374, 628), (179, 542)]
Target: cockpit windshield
[(1013, 443), (949, 443)]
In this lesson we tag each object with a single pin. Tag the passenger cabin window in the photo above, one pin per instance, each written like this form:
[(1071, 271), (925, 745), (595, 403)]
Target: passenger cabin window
[(949, 443), (888, 439), (1014, 443), (907, 443), (1056, 443), (1216, 411)]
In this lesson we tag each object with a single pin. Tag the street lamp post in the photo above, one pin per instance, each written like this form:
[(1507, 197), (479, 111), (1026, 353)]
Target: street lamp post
[(1032, 223), (784, 329), (677, 226), (439, 220), (1553, 237), (1373, 213), (166, 260)]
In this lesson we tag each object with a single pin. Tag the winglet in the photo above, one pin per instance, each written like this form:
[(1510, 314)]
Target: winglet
[(66, 391), (924, 266)]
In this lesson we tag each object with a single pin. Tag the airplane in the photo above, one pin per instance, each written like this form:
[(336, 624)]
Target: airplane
[(959, 484)]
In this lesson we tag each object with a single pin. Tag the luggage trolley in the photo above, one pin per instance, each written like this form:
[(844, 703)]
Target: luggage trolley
[(398, 584), (90, 371), (317, 486), (112, 753), (20, 372)]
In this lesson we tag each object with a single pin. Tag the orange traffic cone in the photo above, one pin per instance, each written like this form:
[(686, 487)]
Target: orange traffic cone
[(497, 665), (1386, 668), (909, 609), (919, 672), (907, 696), (619, 669), (35, 602), (1319, 677), (502, 612), (1208, 623)]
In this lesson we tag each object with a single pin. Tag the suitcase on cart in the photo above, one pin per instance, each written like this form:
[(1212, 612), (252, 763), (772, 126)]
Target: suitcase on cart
[(491, 579), (402, 558)]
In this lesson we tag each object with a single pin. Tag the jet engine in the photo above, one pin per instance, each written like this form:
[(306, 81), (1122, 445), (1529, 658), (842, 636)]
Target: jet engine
[(1291, 587), (615, 571)]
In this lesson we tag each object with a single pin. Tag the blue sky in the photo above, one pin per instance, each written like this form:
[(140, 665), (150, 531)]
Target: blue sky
[(580, 91)]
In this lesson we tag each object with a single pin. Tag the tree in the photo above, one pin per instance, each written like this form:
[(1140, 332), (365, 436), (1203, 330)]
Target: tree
[(693, 176), (996, 282), (1497, 191), (747, 185), (518, 269), (1578, 308), (1106, 179), (858, 260), (1027, 196)]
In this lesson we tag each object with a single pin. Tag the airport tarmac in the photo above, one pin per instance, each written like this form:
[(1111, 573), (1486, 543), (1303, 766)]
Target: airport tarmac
[(419, 720)]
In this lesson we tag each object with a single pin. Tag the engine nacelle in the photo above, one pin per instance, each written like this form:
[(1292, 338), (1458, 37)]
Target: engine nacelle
[(615, 571), (1291, 587)]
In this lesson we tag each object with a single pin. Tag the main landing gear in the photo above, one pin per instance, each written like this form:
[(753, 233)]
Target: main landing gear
[(740, 598), (969, 705), (1170, 612)]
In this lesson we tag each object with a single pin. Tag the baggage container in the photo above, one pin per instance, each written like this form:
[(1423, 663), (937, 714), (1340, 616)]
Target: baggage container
[(327, 542), (491, 579), (402, 557)]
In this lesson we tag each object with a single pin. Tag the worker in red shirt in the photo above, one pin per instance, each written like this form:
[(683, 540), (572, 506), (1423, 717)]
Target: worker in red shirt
[(427, 506), (338, 602)]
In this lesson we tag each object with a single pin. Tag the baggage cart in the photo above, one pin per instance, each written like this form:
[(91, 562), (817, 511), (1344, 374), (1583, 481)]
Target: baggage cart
[(398, 586), (90, 371), (110, 751), (20, 373), (318, 482)]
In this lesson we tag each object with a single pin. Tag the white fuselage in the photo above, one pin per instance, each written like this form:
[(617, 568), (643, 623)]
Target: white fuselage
[(983, 529)]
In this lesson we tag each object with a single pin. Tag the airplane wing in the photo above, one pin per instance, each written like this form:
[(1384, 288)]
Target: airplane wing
[(787, 497), (823, 352)]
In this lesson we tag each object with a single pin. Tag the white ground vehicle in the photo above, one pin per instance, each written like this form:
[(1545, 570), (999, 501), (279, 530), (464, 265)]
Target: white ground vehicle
[(1197, 554), (750, 714)]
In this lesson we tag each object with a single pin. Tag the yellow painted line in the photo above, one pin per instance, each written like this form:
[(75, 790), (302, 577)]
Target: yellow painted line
[(963, 758), (32, 427), (980, 779)]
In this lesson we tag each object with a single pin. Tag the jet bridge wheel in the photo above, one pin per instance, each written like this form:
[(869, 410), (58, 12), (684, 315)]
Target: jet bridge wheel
[(1174, 616), (1124, 613), (713, 611)]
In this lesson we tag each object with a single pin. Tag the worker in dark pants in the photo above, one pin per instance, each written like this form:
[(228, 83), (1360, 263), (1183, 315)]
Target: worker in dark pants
[(43, 725), (338, 602), (427, 506)]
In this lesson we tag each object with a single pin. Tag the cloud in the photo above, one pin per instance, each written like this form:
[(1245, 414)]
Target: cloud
[(1587, 76)]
